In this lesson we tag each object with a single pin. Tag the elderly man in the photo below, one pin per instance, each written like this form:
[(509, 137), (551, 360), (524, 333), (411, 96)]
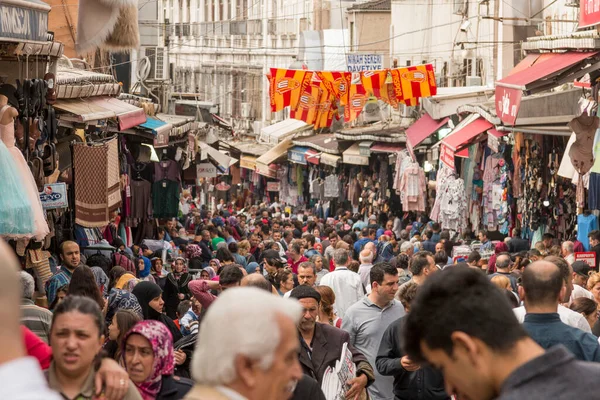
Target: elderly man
[(568, 251), (366, 263), (37, 319), (346, 284), (255, 357), (407, 248), (503, 268), (321, 344)]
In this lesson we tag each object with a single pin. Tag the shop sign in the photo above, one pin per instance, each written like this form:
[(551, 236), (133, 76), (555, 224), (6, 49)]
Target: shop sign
[(588, 257), (161, 139), (206, 170), (493, 142), (364, 62), (23, 23), (508, 102), (273, 187), (447, 156), (54, 196), (297, 157), (589, 13)]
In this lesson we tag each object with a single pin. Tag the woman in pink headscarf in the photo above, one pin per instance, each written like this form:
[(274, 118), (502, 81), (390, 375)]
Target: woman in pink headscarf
[(500, 248), (149, 360)]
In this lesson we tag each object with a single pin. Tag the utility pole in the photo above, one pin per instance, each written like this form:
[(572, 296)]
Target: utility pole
[(497, 27)]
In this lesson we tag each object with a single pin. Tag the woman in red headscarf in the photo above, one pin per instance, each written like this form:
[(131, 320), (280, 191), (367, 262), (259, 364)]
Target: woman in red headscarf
[(500, 248)]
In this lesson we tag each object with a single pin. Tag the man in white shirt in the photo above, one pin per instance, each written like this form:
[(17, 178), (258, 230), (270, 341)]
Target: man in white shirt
[(21, 376), (568, 252), (346, 284), (256, 356), (581, 273), (567, 316), (366, 263)]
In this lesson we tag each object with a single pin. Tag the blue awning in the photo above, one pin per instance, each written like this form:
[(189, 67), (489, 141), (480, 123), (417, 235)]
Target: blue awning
[(297, 154), (156, 125)]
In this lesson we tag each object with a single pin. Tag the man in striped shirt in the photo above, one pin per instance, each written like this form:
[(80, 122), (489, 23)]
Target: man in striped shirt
[(37, 319)]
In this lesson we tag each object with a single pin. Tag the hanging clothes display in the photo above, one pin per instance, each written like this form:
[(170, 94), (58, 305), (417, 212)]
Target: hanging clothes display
[(413, 188), (7, 135), (453, 204), (97, 183), (586, 223)]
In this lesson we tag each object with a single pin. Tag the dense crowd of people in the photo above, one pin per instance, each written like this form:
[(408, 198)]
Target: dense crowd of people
[(257, 304)]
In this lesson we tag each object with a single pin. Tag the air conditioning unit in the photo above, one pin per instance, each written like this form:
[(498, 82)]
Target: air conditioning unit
[(473, 81), (156, 55), (246, 108), (461, 7)]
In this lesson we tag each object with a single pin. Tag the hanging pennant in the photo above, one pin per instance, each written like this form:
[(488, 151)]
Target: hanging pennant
[(413, 82), (374, 81), (285, 87), (357, 100), (388, 96), (338, 83)]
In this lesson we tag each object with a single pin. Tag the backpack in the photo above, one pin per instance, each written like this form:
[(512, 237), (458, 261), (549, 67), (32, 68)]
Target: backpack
[(122, 260), (99, 260)]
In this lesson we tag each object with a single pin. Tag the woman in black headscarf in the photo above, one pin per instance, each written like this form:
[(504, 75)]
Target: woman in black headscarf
[(176, 287), (149, 295)]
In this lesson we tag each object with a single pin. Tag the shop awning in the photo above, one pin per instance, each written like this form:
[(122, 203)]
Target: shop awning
[(312, 156), (269, 171), (297, 155), (352, 156), (128, 115), (474, 125), (281, 130), (329, 159), (553, 70), (156, 126), (325, 143), (385, 148), (181, 123), (24, 20), (276, 152), (223, 160), (83, 110), (422, 129), (248, 162)]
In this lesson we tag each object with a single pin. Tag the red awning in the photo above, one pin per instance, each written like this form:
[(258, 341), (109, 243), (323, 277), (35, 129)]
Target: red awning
[(422, 129), (464, 153), (529, 60), (544, 68), (312, 156), (385, 148), (465, 134), (497, 133)]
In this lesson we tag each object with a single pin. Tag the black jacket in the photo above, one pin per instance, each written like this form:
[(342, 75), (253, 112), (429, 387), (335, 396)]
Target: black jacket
[(423, 384), (516, 245), (596, 249), (174, 388), (308, 389)]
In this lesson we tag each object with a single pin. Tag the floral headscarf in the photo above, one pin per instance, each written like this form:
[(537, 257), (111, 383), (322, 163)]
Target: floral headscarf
[(216, 261), (122, 300), (161, 340), (193, 251), (211, 272)]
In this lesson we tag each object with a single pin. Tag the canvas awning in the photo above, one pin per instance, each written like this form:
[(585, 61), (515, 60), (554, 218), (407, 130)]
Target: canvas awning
[(248, 162), (269, 171), (422, 129), (352, 156), (474, 125), (276, 152), (83, 110), (223, 160), (325, 143), (385, 148), (160, 129), (127, 115), (329, 159), (540, 74), (281, 130)]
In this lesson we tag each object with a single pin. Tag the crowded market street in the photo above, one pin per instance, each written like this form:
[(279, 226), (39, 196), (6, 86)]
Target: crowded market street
[(374, 200)]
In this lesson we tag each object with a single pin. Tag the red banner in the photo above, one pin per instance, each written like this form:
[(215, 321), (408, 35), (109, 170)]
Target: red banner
[(508, 102), (589, 13)]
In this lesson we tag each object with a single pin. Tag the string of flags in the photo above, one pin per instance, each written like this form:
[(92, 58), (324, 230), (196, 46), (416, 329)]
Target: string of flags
[(314, 96)]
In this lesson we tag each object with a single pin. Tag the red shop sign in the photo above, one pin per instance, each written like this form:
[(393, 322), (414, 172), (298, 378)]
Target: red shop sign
[(447, 156), (508, 102), (589, 13), (588, 257)]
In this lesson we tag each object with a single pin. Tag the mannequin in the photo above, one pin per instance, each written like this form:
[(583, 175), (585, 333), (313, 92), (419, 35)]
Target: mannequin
[(11, 113), (582, 152)]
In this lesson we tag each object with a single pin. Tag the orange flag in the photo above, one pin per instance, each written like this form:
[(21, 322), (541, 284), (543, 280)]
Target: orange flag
[(357, 98), (285, 87), (337, 83), (309, 104), (374, 82), (387, 95), (414, 82)]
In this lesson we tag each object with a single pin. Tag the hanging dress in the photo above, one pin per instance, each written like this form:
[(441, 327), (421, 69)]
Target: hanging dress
[(28, 193)]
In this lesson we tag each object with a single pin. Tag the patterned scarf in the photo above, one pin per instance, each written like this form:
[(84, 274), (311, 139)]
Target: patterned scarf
[(122, 300), (193, 251), (161, 340)]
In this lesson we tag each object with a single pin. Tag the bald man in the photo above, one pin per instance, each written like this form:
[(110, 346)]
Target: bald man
[(543, 288), (21, 376), (70, 259), (259, 281)]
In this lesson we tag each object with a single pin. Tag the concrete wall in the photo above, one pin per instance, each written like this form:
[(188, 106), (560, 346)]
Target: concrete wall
[(369, 31)]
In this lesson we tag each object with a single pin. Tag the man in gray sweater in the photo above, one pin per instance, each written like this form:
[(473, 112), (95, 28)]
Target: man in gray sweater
[(463, 325)]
